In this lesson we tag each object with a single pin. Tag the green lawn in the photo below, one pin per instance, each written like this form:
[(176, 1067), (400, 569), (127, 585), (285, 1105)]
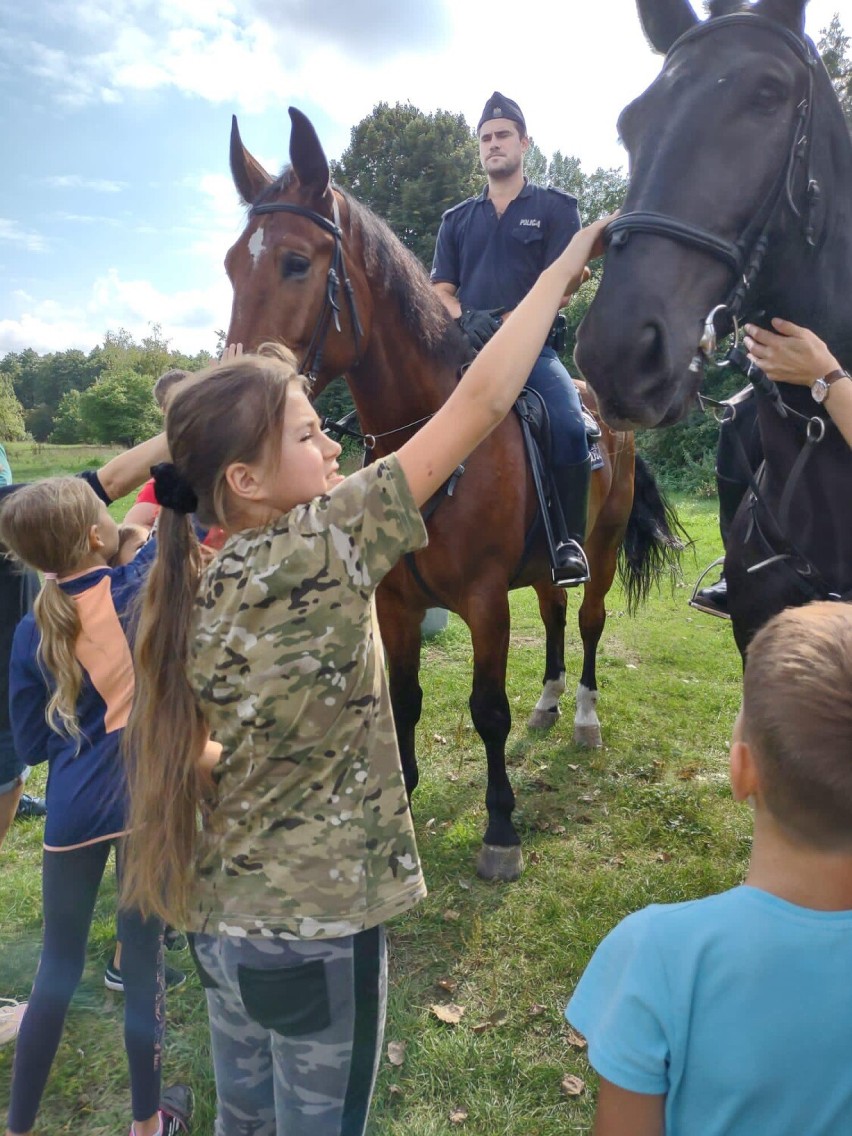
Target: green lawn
[(646, 819)]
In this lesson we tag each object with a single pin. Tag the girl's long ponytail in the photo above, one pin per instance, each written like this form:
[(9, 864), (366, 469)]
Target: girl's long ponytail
[(166, 733)]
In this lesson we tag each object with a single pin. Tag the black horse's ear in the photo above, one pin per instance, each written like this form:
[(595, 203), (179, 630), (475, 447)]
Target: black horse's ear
[(249, 176), (790, 13), (664, 21), (306, 154)]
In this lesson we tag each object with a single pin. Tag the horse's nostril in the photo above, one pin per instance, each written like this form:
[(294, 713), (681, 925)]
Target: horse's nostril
[(651, 348)]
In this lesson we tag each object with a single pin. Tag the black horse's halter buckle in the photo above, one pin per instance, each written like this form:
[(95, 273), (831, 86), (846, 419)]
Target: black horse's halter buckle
[(337, 275)]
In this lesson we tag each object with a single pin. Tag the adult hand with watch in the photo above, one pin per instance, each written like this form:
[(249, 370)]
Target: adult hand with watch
[(793, 354)]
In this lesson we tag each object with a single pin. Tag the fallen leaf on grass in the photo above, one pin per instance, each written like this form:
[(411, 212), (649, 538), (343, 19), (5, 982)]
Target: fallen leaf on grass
[(449, 1012), (452, 776), (559, 830), (663, 857), (573, 768), (575, 1039), (431, 822), (572, 1086), (536, 1010), (464, 885), (498, 1018), (396, 1052), (458, 1116), (440, 739), (448, 984), (450, 916), (395, 1090), (534, 857)]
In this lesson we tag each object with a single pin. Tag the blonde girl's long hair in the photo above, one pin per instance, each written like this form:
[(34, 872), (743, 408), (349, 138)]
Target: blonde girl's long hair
[(46, 525), (232, 412)]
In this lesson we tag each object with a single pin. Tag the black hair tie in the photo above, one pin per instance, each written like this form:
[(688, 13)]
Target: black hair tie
[(172, 490)]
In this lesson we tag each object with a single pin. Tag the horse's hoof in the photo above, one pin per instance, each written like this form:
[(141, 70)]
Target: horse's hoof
[(588, 736), (496, 862), (543, 719)]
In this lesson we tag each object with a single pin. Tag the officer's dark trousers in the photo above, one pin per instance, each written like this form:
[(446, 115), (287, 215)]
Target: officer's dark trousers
[(567, 430)]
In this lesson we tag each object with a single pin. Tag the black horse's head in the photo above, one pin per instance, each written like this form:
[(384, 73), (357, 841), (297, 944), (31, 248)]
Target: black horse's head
[(730, 160)]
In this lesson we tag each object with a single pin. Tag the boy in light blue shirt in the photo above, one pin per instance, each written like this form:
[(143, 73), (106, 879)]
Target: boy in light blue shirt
[(732, 1015)]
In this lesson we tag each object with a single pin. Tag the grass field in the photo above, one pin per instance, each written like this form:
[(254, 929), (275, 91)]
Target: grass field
[(648, 818)]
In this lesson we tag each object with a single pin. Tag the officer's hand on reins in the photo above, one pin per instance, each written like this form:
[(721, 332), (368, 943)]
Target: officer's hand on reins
[(479, 326)]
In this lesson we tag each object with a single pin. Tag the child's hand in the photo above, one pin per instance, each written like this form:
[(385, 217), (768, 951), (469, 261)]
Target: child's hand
[(585, 245), (231, 352)]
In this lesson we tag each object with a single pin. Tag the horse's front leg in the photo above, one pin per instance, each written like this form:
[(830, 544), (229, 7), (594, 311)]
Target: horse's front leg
[(552, 604), (487, 616), (400, 625)]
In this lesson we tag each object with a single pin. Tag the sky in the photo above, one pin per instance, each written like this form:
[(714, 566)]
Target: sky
[(116, 203)]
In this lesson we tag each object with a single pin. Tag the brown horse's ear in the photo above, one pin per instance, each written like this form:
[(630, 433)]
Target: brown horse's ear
[(664, 21), (249, 176), (790, 13), (306, 155)]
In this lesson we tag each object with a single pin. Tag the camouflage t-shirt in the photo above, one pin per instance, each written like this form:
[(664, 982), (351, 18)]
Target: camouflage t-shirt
[(311, 834)]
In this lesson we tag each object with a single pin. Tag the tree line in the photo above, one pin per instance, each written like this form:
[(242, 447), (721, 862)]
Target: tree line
[(408, 167)]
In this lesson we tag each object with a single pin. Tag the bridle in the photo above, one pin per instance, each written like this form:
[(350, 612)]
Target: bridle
[(337, 275), (744, 256)]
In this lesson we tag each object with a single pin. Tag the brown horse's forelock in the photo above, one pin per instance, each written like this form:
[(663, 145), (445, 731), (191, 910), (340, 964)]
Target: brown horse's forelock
[(397, 272)]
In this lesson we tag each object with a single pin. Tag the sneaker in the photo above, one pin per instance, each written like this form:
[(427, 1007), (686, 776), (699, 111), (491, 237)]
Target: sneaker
[(113, 980), (30, 807), (176, 1107), (174, 940), (712, 600), (11, 1016)]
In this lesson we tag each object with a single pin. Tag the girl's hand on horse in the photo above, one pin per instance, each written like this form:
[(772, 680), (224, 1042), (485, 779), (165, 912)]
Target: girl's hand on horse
[(585, 245), (231, 352), (794, 355)]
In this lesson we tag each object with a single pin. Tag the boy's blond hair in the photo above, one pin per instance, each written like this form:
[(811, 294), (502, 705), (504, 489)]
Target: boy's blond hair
[(797, 719)]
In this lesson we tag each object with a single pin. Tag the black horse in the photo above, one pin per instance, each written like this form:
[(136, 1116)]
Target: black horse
[(739, 208)]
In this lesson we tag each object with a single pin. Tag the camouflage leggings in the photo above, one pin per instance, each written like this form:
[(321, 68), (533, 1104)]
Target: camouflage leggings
[(296, 1029)]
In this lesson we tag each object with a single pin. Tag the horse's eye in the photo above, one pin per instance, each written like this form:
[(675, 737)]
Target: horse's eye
[(768, 96), (294, 265)]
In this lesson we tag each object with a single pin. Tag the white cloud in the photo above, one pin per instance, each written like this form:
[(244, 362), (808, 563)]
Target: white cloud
[(14, 234), (189, 317), (77, 181)]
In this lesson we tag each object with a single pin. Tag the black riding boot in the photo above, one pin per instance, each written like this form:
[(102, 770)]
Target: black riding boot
[(571, 487)]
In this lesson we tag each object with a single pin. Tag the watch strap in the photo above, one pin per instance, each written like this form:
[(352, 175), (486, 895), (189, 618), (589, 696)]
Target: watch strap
[(833, 376)]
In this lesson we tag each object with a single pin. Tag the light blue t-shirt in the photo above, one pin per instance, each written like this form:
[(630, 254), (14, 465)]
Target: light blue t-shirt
[(738, 1007)]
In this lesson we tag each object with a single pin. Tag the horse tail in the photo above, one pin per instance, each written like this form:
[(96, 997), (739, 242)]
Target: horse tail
[(653, 542)]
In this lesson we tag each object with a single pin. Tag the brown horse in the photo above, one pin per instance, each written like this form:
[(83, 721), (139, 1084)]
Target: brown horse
[(316, 269)]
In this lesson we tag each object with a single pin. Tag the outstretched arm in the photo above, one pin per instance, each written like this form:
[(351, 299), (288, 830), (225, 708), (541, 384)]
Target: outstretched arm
[(793, 354), (492, 383)]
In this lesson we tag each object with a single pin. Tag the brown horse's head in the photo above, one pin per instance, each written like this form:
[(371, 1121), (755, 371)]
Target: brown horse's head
[(716, 161), (279, 266)]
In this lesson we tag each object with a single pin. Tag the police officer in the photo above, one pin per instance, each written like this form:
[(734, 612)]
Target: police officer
[(490, 251)]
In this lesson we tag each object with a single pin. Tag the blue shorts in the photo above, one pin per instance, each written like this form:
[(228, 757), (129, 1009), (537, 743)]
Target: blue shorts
[(13, 772)]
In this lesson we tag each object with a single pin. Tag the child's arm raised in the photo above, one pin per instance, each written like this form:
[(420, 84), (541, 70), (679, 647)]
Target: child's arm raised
[(622, 1113), (490, 386), (127, 471)]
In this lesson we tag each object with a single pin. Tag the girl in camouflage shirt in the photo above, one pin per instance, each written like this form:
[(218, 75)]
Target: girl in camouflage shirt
[(307, 846)]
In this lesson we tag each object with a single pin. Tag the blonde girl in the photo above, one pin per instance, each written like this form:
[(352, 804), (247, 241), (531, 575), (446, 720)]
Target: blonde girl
[(71, 685), (308, 845)]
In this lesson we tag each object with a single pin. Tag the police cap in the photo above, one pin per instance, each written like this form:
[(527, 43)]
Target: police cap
[(498, 106)]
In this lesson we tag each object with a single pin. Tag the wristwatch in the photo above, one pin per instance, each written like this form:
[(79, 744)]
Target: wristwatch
[(821, 387)]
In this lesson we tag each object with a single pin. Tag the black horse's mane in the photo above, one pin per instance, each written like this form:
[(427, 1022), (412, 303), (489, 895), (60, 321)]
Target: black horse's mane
[(398, 273)]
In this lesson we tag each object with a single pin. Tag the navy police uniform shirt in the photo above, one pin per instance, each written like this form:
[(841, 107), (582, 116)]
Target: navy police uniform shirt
[(494, 261)]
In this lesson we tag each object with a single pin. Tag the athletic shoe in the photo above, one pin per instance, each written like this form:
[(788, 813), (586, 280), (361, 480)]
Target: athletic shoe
[(113, 980), (11, 1015), (176, 1106), (30, 807), (174, 940)]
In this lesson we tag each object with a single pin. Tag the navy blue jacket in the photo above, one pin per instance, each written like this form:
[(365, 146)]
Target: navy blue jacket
[(494, 261)]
